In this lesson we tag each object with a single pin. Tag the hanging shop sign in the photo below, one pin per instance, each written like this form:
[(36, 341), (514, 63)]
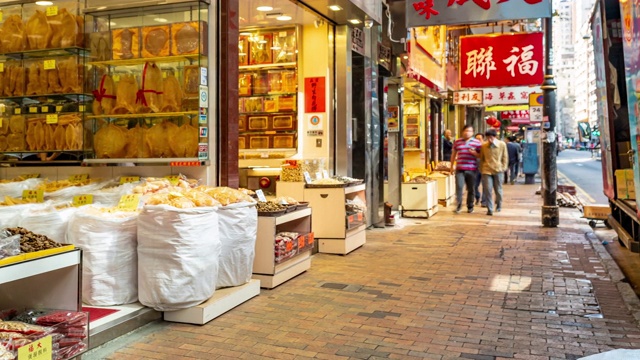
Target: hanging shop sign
[(515, 114), (393, 119), (485, 61), (384, 56), (467, 97), (513, 95), (449, 12), (314, 94), (357, 40), (535, 114)]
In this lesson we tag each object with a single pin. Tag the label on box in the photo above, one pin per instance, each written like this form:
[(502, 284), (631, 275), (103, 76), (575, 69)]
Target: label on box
[(307, 177), (261, 196), (49, 64), (17, 111), (81, 200), (1, 63), (0, 122), (52, 118), (129, 202), (173, 179), (52, 10), (44, 109), (301, 242), (33, 195), (40, 349), (78, 177), (1, 16), (116, 77), (81, 108), (59, 108), (325, 174), (33, 110), (129, 179)]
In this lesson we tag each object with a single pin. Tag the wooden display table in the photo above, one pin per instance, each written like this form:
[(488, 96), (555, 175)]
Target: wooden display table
[(419, 199)]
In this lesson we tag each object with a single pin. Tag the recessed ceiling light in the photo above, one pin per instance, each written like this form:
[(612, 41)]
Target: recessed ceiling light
[(161, 20), (284, 18), (355, 21), (405, 57), (264, 8), (335, 7), (245, 34), (44, 3)]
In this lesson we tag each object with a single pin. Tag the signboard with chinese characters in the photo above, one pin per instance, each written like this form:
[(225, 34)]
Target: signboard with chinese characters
[(314, 94), (535, 114), (384, 56), (486, 60), (357, 40), (467, 97), (515, 114), (448, 12), (514, 95)]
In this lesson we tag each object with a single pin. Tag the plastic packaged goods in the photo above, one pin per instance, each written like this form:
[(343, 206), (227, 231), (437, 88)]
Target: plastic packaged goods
[(110, 258), (15, 188), (238, 225), (226, 195), (178, 256), (9, 246)]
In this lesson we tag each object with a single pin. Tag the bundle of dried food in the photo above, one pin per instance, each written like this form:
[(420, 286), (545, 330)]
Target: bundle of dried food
[(104, 97), (148, 97), (155, 41), (13, 36), (285, 200), (65, 30), (171, 94), (30, 242), (137, 144), (70, 72), (152, 185), (110, 142), (188, 38), (51, 186), (100, 45), (126, 43), (226, 195), (126, 92), (159, 139), (175, 199), (38, 31), (184, 141)]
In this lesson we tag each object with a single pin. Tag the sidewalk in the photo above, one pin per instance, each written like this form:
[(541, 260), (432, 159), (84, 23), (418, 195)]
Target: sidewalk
[(465, 286)]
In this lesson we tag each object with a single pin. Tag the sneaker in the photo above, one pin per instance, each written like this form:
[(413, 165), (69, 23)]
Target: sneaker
[(498, 210), (458, 209), (490, 213), (477, 201), (470, 210), (513, 182)]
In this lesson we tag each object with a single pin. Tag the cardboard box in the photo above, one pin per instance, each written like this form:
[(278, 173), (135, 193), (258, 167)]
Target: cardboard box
[(600, 212), (625, 186)]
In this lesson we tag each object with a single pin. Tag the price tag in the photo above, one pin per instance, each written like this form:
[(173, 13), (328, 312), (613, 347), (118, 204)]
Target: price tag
[(318, 175), (33, 110), (58, 108), (164, 74), (37, 350), (116, 77), (1, 16), (52, 10), (129, 202), (52, 118), (33, 195), (261, 196), (78, 177), (300, 242), (81, 200), (49, 64), (0, 122), (173, 179), (17, 111), (1, 63), (325, 174), (30, 176), (129, 179), (81, 108), (44, 109), (307, 177)]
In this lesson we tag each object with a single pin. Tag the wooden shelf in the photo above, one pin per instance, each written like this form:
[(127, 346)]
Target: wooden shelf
[(140, 61), (140, 116), (287, 65)]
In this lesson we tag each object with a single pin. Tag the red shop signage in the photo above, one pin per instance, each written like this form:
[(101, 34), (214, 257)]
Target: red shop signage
[(501, 60), (515, 114), (314, 94)]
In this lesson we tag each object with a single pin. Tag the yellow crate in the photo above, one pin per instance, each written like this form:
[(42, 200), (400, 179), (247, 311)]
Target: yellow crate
[(598, 212), (35, 255)]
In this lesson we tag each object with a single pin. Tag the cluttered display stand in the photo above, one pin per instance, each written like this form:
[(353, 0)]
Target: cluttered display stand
[(283, 246)]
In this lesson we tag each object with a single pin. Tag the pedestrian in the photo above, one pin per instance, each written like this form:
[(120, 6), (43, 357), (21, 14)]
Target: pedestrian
[(464, 155), (480, 198), (494, 161), (447, 145), (513, 149)]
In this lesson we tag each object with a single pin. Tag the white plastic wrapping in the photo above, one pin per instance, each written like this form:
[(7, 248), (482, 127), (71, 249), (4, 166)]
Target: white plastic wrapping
[(110, 257), (47, 221), (178, 253), (238, 231), (111, 196), (10, 215), (67, 194), (15, 189)]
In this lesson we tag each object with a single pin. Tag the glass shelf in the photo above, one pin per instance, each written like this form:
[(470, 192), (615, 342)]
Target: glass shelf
[(270, 94), (275, 66), (268, 132), (154, 161), (32, 99), (46, 53), (141, 61), (138, 116)]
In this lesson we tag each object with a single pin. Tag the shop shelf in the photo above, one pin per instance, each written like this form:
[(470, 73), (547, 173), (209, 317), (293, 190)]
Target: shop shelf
[(33, 99), (49, 261), (154, 161), (141, 61), (45, 53), (268, 66), (138, 116)]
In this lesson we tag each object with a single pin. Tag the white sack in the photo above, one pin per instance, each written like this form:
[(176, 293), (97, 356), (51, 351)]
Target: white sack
[(15, 189), (178, 251), (47, 221), (10, 215), (67, 194), (110, 257), (238, 231), (111, 196)]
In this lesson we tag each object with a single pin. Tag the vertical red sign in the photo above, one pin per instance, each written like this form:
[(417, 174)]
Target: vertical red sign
[(314, 94)]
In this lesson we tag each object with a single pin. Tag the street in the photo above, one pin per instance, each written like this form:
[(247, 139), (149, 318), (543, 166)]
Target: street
[(579, 169)]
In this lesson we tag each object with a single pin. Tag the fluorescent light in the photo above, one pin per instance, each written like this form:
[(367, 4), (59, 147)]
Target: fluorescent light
[(335, 7), (161, 20), (284, 18), (44, 3), (355, 21), (276, 48), (262, 42), (245, 34), (111, 23), (264, 8)]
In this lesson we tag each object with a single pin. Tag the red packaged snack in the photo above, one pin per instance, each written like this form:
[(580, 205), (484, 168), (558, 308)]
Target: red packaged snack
[(23, 328), (68, 318)]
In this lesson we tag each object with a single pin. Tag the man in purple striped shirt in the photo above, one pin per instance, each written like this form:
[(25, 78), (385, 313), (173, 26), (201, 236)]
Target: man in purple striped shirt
[(464, 154)]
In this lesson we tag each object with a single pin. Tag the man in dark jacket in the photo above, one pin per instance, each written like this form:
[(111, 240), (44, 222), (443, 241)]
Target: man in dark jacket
[(447, 145), (513, 149)]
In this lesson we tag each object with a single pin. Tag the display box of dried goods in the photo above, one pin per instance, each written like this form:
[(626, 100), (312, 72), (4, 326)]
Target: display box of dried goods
[(126, 43), (275, 82), (412, 142), (412, 120), (245, 84), (412, 130), (284, 46), (258, 123), (305, 241), (287, 103), (271, 104), (260, 49), (286, 246), (259, 141), (155, 41), (243, 51), (12, 32), (242, 122), (189, 38), (289, 81), (53, 27), (14, 79), (242, 142), (260, 83), (355, 220), (191, 80), (283, 141), (100, 45), (283, 122), (253, 104)]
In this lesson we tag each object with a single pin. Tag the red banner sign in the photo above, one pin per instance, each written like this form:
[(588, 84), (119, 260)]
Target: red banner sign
[(314, 94), (515, 114), (501, 60)]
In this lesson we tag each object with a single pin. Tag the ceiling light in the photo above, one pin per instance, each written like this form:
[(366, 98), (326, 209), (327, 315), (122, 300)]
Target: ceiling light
[(245, 34), (264, 8), (262, 42), (111, 23), (44, 3), (355, 21), (405, 57), (335, 7), (284, 18), (161, 20), (276, 48)]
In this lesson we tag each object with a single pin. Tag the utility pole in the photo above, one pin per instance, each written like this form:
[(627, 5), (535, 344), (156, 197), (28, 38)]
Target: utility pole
[(550, 211)]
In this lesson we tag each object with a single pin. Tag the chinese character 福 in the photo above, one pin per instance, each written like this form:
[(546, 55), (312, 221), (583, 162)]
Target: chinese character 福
[(526, 66)]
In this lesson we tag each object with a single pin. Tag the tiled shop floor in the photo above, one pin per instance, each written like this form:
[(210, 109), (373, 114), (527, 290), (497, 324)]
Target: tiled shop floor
[(465, 286)]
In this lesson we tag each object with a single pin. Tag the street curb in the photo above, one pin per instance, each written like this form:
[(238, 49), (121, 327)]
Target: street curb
[(617, 276)]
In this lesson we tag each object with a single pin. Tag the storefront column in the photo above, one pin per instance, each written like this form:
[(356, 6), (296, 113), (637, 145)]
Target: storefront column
[(344, 122), (228, 85)]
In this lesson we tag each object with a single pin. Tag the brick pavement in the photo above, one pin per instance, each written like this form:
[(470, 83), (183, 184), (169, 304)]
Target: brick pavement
[(464, 286)]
